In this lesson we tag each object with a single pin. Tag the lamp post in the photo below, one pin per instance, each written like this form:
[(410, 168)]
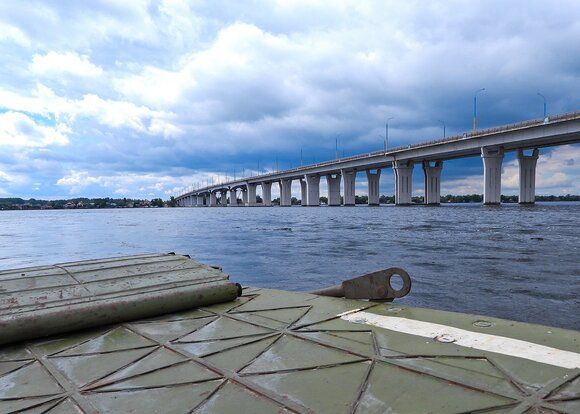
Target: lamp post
[(475, 108), (545, 105), (301, 162), (387, 134), (442, 123)]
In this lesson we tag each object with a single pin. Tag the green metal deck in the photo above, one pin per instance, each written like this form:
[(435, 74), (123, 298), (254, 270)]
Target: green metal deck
[(272, 351)]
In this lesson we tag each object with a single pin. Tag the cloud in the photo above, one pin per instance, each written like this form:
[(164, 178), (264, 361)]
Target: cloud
[(12, 34), (557, 172), (108, 112), (134, 184), (58, 64), (194, 89), (18, 130)]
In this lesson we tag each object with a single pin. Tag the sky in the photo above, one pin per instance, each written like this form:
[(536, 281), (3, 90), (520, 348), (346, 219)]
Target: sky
[(144, 98)]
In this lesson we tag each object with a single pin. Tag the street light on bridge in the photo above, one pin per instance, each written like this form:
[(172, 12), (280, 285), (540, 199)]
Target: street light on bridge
[(475, 108), (442, 123), (387, 134), (545, 105)]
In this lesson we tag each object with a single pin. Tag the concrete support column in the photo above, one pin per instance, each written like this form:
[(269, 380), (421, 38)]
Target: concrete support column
[(432, 182), (303, 193), (492, 160), (333, 189), (245, 196), (528, 176), (212, 200), (313, 187), (403, 182), (233, 198), (349, 180), (267, 194), (198, 201), (373, 181), (286, 192), (251, 191)]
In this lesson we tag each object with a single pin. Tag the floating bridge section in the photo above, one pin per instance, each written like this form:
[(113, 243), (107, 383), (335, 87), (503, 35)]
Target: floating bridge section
[(491, 144)]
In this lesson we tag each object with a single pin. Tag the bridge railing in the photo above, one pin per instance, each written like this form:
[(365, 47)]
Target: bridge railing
[(467, 135)]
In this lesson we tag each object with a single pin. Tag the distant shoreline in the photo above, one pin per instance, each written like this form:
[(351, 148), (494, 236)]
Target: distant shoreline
[(114, 203)]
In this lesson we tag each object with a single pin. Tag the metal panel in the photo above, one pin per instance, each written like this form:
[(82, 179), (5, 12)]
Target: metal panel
[(273, 351), (66, 297)]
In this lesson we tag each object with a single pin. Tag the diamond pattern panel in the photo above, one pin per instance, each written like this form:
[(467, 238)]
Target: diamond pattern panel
[(271, 352)]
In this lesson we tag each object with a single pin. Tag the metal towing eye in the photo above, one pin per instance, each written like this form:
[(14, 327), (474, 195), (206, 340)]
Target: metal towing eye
[(372, 286)]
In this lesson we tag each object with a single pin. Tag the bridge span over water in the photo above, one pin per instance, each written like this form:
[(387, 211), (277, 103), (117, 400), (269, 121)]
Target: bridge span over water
[(525, 137)]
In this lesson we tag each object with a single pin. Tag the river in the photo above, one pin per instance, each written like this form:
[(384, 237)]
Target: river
[(512, 261)]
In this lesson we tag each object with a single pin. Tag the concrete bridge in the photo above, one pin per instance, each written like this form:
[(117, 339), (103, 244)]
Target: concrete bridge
[(525, 137)]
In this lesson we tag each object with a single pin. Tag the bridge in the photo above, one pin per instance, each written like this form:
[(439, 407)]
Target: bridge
[(525, 137)]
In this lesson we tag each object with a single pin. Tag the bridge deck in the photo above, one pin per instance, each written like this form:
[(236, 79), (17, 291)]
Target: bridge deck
[(534, 133)]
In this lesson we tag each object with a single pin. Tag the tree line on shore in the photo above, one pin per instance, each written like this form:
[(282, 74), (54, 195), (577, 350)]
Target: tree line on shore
[(107, 202), (79, 203)]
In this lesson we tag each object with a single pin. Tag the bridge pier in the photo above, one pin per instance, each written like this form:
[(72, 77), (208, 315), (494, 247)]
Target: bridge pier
[(223, 199), (212, 199), (527, 165), (349, 180), (432, 182), (313, 187), (251, 194), (244, 196), (267, 194), (303, 193), (233, 198), (333, 189), (373, 187), (403, 182), (286, 192), (492, 160)]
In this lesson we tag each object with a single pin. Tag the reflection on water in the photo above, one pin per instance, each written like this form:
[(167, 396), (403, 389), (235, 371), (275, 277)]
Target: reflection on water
[(514, 262)]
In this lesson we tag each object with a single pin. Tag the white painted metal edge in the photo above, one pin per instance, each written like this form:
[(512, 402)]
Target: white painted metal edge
[(470, 339)]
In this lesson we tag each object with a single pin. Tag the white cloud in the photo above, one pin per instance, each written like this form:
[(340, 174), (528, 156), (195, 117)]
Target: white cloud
[(147, 184), (472, 184), (9, 33), (557, 172), (54, 64), (19, 130), (111, 113), (131, 184)]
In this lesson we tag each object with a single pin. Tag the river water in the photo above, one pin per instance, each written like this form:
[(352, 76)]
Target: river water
[(512, 261)]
